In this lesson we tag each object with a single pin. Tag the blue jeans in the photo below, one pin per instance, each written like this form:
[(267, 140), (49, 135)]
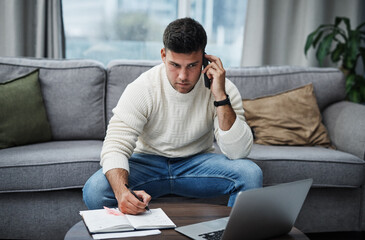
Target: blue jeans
[(199, 176)]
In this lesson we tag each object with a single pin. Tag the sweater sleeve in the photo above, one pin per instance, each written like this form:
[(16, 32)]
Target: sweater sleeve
[(237, 141), (127, 123)]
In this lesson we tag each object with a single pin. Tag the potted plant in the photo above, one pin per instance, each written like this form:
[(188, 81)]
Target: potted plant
[(345, 46)]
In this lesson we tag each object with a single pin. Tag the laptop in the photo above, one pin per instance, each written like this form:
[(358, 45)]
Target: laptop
[(257, 214)]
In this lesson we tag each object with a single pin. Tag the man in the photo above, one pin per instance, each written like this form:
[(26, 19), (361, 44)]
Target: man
[(160, 138)]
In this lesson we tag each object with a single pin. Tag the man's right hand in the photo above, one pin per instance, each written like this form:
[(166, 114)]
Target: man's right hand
[(127, 202)]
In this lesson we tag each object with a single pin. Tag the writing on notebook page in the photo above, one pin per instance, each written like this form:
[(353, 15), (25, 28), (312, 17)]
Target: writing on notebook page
[(113, 211)]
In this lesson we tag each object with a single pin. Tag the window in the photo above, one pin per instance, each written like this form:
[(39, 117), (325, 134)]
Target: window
[(105, 30)]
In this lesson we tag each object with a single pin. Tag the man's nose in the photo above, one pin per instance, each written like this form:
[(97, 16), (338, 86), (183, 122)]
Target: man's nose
[(183, 74)]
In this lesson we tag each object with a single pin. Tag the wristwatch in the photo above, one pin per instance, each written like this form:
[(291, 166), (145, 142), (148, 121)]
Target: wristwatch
[(223, 102)]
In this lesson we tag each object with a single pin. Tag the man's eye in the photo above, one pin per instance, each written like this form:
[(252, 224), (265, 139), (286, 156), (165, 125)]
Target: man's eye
[(191, 65), (175, 65)]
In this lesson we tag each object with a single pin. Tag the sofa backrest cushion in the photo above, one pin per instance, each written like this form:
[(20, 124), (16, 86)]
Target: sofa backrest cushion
[(120, 73), (254, 82), (73, 93)]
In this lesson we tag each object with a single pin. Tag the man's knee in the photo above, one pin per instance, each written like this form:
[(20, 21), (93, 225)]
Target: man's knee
[(249, 173), (95, 191), (256, 173)]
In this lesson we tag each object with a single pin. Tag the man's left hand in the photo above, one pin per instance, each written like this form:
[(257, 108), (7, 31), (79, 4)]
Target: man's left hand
[(217, 74)]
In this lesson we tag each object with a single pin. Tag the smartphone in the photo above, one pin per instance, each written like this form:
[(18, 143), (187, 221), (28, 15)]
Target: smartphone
[(206, 79)]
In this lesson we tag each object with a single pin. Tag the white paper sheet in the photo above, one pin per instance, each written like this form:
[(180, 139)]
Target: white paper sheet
[(126, 234)]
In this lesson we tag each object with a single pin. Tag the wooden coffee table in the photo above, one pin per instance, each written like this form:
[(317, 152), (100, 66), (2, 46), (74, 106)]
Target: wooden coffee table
[(181, 214)]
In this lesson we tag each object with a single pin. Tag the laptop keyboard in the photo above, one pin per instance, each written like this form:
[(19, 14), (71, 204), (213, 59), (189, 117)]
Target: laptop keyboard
[(212, 235)]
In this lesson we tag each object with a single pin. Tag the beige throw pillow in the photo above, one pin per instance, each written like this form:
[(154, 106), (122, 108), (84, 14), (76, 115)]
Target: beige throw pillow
[(288, 118)]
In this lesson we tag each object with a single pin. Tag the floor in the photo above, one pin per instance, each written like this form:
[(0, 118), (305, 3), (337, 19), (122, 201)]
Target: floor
[(337, 236)]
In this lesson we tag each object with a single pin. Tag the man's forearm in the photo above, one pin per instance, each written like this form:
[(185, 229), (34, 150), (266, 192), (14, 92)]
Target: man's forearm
[(117, 178), (226, 117)]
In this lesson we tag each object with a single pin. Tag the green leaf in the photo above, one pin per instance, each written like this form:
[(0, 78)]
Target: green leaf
[(311, 36), (347, 23), (316, 40), (353, 50), (324, 47), (309, 42), (338, 20), (337, 53), (350, 83), (354, 96), (355, 88)]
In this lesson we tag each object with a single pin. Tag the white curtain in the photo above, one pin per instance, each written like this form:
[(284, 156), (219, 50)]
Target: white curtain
[(32, 28), (276, 30)]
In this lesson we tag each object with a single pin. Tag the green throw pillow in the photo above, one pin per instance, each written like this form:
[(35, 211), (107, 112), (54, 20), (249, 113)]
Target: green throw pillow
[(23, 118)]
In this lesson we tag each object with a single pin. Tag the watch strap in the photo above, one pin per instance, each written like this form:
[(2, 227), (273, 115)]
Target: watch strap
[(223, 102)]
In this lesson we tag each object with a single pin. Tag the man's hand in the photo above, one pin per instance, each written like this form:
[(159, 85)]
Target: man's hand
[(127, 203), (217, 74)]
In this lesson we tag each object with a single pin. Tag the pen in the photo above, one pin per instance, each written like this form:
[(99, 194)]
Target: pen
[(147, 208)]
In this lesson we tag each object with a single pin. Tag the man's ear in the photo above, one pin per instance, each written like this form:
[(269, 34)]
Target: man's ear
[(163, 54)]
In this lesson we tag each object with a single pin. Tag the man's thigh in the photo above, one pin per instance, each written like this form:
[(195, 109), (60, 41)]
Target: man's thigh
[(210, 175), (149, 173)]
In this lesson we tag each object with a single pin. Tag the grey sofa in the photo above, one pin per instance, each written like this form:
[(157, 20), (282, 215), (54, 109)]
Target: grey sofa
[(41, 184)]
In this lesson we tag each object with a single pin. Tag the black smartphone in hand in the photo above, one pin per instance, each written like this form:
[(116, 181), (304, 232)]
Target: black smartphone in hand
[(206, 79)]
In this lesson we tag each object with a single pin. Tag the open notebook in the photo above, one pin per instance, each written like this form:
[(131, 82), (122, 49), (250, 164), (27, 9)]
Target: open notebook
[(101, 221)]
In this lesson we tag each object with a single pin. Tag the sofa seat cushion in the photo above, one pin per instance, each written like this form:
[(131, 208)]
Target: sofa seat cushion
[(48, 166), (327, 167)]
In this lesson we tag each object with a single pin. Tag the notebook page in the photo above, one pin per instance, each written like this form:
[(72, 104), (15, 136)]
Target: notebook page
[(100, 221), (157, 218)]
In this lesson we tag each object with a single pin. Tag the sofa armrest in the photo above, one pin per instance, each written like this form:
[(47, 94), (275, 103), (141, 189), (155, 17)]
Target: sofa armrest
[(345, 122)]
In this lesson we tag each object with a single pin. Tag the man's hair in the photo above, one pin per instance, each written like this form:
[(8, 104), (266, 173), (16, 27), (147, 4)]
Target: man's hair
[(184, 35)]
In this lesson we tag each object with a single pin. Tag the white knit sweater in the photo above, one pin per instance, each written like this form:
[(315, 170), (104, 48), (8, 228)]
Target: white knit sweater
[(152, 117)]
